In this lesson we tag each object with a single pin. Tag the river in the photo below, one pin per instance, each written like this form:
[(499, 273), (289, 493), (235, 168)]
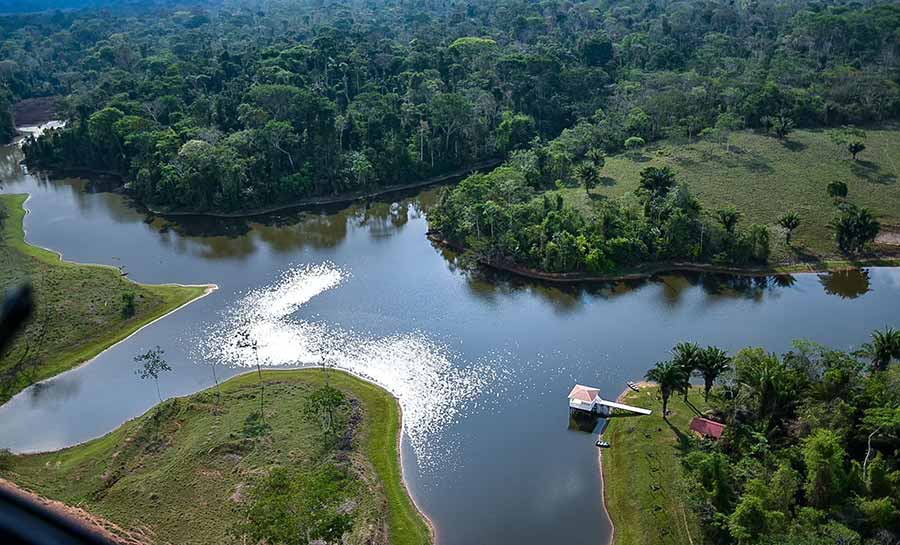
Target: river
[(480, 361)]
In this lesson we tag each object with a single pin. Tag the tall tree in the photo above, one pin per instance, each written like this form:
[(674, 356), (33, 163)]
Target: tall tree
[(671, 378), (152, 364), (712, 362), (884, 347), (687, 356), (789, 222)]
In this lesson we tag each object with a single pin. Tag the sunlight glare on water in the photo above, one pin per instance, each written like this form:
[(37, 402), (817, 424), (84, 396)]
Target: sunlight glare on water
[(420, 372)]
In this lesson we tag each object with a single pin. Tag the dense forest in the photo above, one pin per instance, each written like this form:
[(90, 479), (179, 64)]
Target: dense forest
[(809, 454), (245, 104)]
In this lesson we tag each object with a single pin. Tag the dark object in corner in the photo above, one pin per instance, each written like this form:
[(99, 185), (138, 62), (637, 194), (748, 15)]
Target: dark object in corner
[(17, 308)]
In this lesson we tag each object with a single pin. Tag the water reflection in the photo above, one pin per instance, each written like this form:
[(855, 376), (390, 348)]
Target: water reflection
[(847, 284)]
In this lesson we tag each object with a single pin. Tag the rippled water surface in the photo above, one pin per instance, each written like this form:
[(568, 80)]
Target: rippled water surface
[(481, 362)]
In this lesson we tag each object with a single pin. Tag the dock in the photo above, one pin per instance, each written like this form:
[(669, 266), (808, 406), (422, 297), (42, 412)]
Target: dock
[(586, 399)]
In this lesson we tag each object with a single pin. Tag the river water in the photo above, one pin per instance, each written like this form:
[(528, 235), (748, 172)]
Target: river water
[(481, 362)]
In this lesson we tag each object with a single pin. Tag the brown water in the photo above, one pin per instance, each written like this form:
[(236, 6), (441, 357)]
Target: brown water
[(481, 362)]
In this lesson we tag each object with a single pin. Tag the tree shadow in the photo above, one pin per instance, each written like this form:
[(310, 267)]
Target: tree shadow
[(693, 407), (751, 161), (872, 172), (806, 256), (606, 181), (793, 145), (683, 440)]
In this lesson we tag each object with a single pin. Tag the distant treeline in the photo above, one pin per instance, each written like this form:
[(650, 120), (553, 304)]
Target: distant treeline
[(259, 103)]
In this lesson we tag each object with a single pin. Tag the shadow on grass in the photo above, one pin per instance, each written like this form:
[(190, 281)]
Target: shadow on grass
[(806, 256), (693, 407), (606, 181), (793, 145), (872, 172), (683, 440), (750, 161)]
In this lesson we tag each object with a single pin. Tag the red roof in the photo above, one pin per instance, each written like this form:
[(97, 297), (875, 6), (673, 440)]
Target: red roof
[(583, 393), (707, 427)]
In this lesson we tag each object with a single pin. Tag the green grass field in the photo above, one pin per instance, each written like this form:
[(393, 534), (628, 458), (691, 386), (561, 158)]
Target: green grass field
[(79, 307), (645, 492), (184, 473), (764, 178)]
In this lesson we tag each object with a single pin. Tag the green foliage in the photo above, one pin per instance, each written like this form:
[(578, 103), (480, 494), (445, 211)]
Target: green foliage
[(789, 222), (884, 347), (128, 305), (671, 377), (728, 217), (855, 147), (327, 405), (826, 479), (855, 228), (837, 189), (634, 142), (299, 507), (152, 363)]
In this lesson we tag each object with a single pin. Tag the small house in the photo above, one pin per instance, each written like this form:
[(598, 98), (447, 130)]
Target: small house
[(707, 427), (587, 399), (584, 398)]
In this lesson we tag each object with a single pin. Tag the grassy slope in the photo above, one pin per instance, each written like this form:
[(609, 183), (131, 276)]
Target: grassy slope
[(181, 483), (642, 473), (80, 304), (765, 178)]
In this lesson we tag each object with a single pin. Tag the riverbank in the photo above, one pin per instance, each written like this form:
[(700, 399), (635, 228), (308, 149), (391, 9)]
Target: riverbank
[(81, 309), (151, 471), (649, 270), (643, 490), (344, 198)]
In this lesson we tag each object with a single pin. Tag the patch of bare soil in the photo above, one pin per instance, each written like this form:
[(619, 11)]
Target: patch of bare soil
[(86, 520), (888, 238), (34, 111)]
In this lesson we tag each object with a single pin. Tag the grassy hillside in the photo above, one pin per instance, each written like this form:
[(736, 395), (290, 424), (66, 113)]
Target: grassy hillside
[(187, 469), (645, 495), (764, 178), (79, 307)]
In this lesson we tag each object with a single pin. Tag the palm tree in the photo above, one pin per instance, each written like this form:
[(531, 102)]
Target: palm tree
[(766, 376), (728, 217), (713, 362), (670, 378), (789, 222), (586, 174), (885, 346), (687, 356), (657, 180)]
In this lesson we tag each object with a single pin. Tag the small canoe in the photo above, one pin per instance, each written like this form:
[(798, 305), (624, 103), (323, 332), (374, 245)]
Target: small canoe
[(633, 386), (602, 444)]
